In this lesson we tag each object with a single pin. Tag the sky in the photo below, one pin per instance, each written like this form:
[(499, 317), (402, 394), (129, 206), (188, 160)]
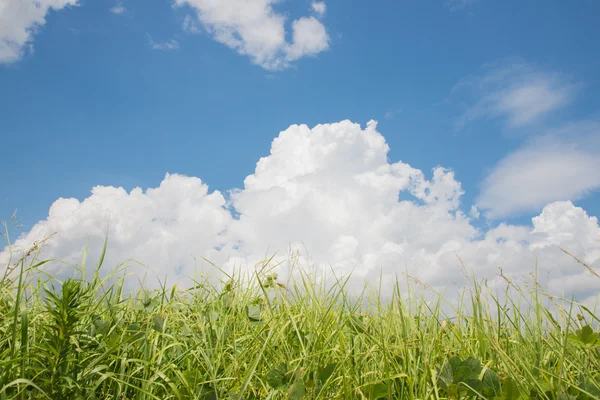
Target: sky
[(374, 137)]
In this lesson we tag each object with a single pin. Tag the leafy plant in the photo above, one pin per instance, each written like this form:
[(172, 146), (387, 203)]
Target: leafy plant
[(456, 376)]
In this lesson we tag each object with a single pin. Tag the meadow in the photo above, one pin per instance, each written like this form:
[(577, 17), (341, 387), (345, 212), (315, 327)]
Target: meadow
[(251, 336)]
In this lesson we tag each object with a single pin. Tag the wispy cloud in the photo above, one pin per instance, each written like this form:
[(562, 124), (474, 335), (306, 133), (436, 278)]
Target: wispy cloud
[(118, 9), (190, 24), (255, 29), (561, 165), (391, 114), (518, 93), (18, 20), (168, 45), (455, 5)]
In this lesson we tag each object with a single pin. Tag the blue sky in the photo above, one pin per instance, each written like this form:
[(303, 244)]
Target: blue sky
[(503, 93)]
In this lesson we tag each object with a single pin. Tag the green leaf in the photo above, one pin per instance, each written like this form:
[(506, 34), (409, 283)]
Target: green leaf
[(213, 316), (445, 376), (468, 369), (158, 323), (563, 396), (588, 336), (511, 390), (296, 390), (473, 384), (356, 324), (591, 388), (454, 364), (207, 393), (376, 391), (138, 306), (325, 372), (100, 325), (276, 377), (491, 382), (253, 312)]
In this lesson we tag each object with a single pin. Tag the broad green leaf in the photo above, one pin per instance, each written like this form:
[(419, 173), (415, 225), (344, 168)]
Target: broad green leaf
[(138, 306), (325, 372), (468, 369), (510, 390), (376, 391), (213, 316), (158, 323), (445, 376), (588, 337), (207, 393), (491, 382), (253, 312), (276, 377), (100, 325), (473, 384), (563, 396), (591, 388), (296, 390), (454, 364)]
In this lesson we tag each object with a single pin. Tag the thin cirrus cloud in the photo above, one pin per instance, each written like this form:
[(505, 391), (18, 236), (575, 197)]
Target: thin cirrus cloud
[(518, 93), (330, 195), (552, 164), (255, 29), (19, 20), (560, 165), (168, 45), (118, 9), (455, 5)]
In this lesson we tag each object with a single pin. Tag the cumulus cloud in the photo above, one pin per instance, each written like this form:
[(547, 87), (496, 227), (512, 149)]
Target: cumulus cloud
[(519, 93), (255, 29), (561, 165), (20, 20), (319, 7), (331, 196)]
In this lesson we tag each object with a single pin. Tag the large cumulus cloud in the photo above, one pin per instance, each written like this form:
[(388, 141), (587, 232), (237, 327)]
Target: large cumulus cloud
[(331, 195), (19, 21)]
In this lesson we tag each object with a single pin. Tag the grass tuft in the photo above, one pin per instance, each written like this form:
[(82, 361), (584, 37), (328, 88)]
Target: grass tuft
[(253, 337)]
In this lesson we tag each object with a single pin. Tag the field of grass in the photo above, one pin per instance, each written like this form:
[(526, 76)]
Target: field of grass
[(252, 337)]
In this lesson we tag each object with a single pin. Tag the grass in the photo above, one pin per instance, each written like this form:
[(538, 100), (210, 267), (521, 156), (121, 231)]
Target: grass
[(252, 337)]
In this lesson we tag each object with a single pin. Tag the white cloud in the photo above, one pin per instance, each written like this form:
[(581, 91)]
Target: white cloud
[(168, 45), (517, 92), (255, 29), (20, 20), (319, 7), (310, 38), (190, 24), (455, 5), (118, 9), (560, 166), (391, 114), (332, 191)]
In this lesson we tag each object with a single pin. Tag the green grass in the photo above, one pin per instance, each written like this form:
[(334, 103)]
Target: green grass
[(252, 337)]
